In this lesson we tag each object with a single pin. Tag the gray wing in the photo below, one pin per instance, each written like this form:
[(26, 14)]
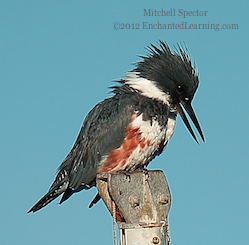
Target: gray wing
[(103, 130)]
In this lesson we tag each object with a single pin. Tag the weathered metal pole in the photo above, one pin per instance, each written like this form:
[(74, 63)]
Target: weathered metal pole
[(142, 202)]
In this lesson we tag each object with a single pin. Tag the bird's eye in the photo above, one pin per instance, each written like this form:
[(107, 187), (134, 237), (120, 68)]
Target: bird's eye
[(179, 88)]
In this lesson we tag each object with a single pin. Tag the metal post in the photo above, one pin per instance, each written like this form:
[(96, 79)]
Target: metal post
[(142, 201)]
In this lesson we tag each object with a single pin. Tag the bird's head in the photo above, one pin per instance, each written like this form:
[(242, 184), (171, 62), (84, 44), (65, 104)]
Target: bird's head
[(170, 77)]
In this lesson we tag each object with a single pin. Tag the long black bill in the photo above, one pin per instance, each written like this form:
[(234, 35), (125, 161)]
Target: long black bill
[(187, 106)]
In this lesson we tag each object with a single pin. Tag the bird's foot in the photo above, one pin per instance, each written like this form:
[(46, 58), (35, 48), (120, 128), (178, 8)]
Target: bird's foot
[(145, 172), (127, 174)]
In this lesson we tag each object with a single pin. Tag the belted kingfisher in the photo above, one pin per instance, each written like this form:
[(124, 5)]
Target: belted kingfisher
[(125, 132)]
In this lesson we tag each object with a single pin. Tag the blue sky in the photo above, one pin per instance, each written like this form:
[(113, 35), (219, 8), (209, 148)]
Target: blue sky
[(57, 60)]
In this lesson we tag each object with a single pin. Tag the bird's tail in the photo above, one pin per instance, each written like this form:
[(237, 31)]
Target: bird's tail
[(57, 188), (49, 197)]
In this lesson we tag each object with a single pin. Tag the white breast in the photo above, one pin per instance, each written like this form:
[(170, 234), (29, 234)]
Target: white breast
[(170, 126), (152, 132)]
